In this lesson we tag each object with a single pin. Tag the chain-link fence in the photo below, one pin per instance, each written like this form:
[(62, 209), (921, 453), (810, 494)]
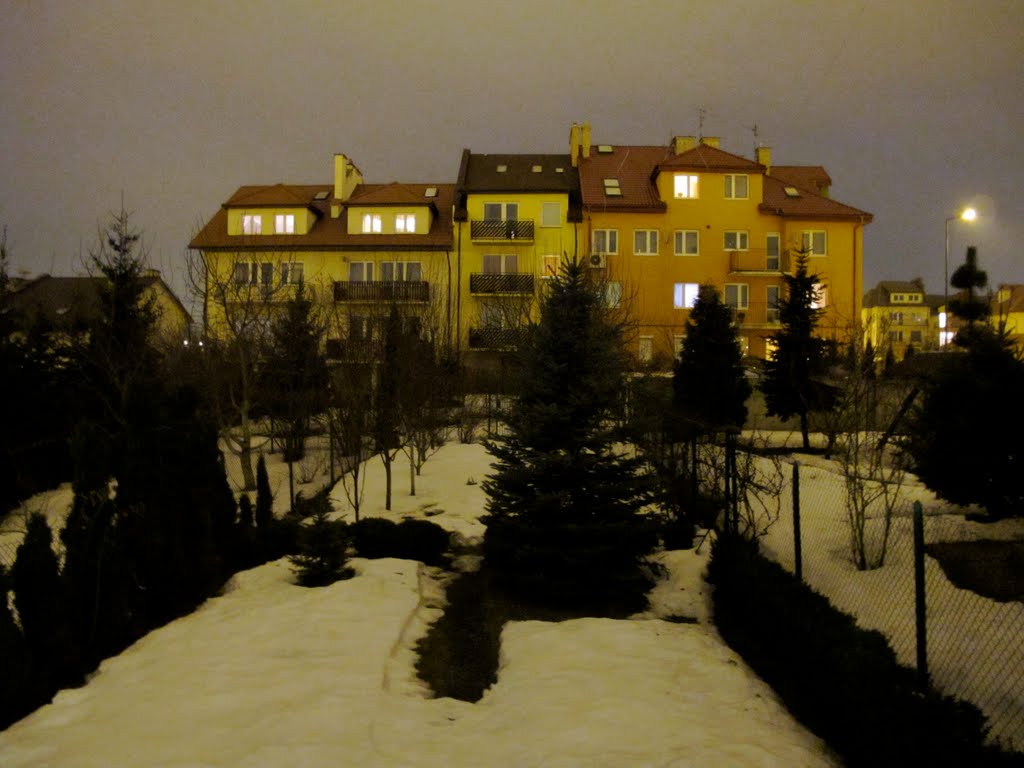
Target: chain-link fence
[(972, 646)]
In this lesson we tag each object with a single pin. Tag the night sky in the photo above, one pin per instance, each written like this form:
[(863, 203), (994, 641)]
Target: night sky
[(915, 107)]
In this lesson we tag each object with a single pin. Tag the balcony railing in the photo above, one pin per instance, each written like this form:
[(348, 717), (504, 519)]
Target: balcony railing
[(488, 282), (497, 229), (382, 290), (494, 338), (757, 315), (758, 260)]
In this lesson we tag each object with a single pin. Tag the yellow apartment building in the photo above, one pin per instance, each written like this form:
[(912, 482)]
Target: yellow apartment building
[(662, 220), (898, 314), (1008, 312), (357, 248), (516, 216)]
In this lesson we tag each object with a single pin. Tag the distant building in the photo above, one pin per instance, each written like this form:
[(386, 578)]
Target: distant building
[(1008, 312), (70, 305), (898, 314)]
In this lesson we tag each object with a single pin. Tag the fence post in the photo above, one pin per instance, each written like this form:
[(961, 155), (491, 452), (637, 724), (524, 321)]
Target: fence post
[(797, 546), (919, 597)]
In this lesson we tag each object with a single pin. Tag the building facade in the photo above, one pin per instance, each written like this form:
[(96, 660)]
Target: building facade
[(470, 258)]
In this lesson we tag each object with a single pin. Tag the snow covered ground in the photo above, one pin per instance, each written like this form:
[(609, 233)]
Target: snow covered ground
[(272, 674)]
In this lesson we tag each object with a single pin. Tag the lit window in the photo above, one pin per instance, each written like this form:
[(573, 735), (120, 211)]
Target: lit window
[(405, 223), (737, 295), (645, 242), (736, 186), (550, 265), (372, 223), (820, 296), (736, 240), (677, 345), (612, 294), (772, 250), (687, 242), (605, 241), (815, 243), (685, 186), (252, 224), (745, 344), (646, 350), (291, 273), (684, 295), (551, 215), (284, 224)]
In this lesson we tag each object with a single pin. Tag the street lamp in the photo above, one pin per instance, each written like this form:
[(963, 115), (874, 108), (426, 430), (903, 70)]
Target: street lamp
[(967, 214)]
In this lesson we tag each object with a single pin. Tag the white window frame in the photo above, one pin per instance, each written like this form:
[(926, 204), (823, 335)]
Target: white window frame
[(504, 209), (612, 292), (680, 242), (252, 224), (686, 186), (647, 239), (508, 263), (769, 257), (372, 224), (284, 224), (820, 300), (244, 273), (645, 349), (405, 223), (742, 290), (550, 264), (292, 272), (610, 238), (741, 238), (684, 295), (772, 294), (808, 238), (368, 270), (732, 184), (401, 271), (551, 214)]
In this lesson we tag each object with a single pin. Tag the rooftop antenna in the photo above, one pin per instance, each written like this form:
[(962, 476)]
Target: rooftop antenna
[(756, 133), (701, 111)]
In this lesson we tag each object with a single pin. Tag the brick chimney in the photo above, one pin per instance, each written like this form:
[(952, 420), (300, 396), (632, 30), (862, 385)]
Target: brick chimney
[(682, 144)]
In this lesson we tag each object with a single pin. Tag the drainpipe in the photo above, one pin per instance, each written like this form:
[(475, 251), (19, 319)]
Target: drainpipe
[(458, 298)]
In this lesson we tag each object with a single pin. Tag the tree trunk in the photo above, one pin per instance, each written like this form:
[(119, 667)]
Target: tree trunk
[(412, 472), (805, 431), (245, 454), (386, 458)]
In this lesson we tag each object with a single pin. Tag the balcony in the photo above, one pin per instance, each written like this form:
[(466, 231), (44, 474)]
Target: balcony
[(757, 260), (491, 230), (490, 283), (495, 338), (382, 290)]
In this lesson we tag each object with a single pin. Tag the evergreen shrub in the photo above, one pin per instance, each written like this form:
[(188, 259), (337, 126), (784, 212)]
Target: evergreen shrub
[(843, 682), (422, 540)]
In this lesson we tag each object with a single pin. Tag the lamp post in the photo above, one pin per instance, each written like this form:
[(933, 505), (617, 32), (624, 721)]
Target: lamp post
[(967, 214)]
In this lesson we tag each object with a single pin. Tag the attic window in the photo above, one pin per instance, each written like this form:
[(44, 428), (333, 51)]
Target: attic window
[(604, 149), (537, 169), (430, 192), (321, 195), (611, 182), (613, 191), (559, 169), (502, 168), (792, 192)]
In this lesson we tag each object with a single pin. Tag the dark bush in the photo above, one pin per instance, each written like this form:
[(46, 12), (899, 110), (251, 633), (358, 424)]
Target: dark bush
[(322, 551), (841, 681), (420, 540)]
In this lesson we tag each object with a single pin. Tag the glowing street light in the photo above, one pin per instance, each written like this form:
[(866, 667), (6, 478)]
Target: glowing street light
[(967, 214)]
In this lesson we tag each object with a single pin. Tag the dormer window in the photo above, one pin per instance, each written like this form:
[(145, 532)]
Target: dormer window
[(252, 224), (284, 224), (405, 223), (372, 224)]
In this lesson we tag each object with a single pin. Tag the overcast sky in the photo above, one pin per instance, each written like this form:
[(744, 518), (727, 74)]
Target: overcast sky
[(913, 106)]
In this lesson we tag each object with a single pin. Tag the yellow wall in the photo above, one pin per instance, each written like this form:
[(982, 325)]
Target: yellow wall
[(304, 219), (387, 214)]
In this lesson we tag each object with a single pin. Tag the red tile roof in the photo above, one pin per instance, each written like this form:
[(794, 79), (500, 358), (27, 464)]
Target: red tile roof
[(813, 178), (807, 206), (327, 232), (707, 158), (632, 167)]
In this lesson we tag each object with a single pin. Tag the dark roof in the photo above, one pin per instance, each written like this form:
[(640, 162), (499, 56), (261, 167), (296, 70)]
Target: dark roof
[(813, 178), (332, 233), (879, 296), (480, 174), (808, 205), (632, 168), (67, 302)]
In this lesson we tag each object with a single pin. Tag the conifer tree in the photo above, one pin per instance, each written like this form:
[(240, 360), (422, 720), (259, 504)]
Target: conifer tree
[(16, 695), (970, 307), (710, 384), (563, 508), (322, 543), (793, 383), (264, 498)]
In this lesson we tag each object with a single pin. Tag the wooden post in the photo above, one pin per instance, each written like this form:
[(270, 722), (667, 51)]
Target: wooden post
[(919, 597), (797, 546)]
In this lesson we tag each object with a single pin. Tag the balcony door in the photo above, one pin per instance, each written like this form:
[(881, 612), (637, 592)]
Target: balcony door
[(501, 211), (500, 264)]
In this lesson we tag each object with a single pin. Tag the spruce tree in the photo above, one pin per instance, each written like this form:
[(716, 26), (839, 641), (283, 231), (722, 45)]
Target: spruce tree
[(264, 498), (564, 500), (710, 385), (794, 372), (322, 547), (17, 697), (970, 307)]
